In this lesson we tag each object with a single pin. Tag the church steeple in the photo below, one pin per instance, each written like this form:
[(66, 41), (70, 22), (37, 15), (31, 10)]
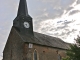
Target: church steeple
[(22, 10), (23, 22)]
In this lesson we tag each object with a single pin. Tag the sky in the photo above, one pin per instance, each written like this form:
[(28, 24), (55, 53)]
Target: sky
[(58, 18)]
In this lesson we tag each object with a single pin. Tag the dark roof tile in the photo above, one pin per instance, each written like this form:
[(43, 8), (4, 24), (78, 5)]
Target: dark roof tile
[(45, 40)]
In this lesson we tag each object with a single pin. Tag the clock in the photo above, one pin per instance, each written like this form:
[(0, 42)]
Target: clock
[(26, 25)]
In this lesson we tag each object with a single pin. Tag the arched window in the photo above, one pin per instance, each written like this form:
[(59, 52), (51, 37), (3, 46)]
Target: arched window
[(35, 55)]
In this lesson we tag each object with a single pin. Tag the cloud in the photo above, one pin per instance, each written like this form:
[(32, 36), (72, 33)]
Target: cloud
[(46, 9), (78, 1), (73, 12), (56, 28)]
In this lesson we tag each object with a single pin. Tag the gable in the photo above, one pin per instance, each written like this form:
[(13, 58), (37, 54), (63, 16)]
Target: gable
[(13, 39)]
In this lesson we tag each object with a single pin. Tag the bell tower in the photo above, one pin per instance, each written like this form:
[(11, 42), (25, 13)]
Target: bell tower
[(23, 21)]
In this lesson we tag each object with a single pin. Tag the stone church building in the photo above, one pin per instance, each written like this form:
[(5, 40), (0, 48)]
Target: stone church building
[(25, 44)]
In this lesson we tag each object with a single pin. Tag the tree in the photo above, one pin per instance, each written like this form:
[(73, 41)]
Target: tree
[(74, 52)]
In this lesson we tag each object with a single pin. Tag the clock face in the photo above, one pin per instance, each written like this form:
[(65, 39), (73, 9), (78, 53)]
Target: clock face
[(26, 25)]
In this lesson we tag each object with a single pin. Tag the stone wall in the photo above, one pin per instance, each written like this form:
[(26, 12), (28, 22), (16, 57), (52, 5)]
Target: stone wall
[(43, 52), (14, 47)]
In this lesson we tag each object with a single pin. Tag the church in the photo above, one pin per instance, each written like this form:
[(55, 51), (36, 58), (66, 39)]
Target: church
[(25, 44)]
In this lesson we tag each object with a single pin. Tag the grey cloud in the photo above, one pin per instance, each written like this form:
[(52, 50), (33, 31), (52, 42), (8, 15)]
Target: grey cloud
[(73, 12), (51, 14), (78, 1), (63, 28), (54, 8), (69, 8), (72, 31), (68, 32), (36, 25), (64, 24)]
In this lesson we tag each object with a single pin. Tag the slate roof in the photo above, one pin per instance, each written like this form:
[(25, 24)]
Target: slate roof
[(45, 40)]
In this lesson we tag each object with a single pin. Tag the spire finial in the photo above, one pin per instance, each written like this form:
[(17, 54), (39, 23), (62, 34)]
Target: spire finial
[(22, 10)]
